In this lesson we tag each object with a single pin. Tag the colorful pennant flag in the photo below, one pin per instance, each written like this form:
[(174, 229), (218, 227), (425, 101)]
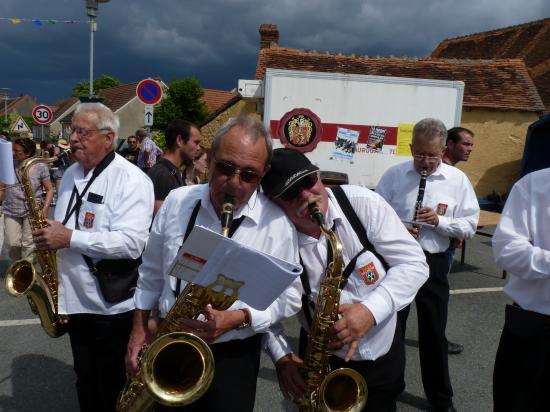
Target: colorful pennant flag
[(41, 22)]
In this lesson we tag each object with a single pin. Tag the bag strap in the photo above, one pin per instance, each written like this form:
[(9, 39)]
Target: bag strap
[(173, 171), (360, 231), (79, 196)]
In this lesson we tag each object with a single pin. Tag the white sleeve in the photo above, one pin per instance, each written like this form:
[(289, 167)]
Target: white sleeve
[(407, 270), (275, 343), (463, 223), (512, 241)]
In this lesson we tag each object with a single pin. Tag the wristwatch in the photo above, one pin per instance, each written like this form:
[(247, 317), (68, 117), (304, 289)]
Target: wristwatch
[(246, 321)]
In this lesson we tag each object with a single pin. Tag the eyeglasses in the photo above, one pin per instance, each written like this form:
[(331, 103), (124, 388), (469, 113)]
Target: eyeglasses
[(229, 169), (84, 133), (304, 183), (428, 158)]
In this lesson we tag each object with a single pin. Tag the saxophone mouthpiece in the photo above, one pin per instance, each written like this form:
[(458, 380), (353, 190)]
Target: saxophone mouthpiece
[(226, 216), (315, 213)]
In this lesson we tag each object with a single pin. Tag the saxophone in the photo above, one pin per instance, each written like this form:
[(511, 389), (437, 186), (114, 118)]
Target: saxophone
[(21, 277), (177, 368), (343, 389)]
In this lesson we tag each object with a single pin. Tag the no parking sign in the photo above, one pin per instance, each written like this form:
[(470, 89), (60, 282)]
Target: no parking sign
[(149, 91)]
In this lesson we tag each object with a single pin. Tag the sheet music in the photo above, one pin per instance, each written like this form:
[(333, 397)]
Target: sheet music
[(7, 173), (205, 254)]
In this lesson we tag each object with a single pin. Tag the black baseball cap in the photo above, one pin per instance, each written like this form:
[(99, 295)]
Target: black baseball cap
[(287, 167)]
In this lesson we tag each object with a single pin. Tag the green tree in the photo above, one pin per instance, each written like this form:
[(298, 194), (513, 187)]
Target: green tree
[(182, 101), (102, 82)]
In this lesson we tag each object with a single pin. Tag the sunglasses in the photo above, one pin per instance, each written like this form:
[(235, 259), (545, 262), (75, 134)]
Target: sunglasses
[(304, 183), (229, 169)]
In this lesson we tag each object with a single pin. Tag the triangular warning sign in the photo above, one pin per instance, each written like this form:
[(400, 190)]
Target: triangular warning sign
[(20, 126)]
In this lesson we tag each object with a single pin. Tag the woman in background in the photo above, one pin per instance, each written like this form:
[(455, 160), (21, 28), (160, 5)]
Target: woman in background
[(17, 229)]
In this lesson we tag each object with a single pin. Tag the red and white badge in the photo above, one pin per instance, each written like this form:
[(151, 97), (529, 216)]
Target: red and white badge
[(369, 274), (441, 209), (89, 220)]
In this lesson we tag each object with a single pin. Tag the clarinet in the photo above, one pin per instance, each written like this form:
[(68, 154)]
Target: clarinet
[(420, 196)]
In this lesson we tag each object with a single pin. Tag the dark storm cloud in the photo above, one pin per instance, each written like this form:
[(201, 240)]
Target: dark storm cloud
[(217, 41)]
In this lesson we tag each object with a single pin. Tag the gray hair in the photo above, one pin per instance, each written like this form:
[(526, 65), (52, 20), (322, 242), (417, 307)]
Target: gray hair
[(106, 119), (430, 129), (252, 126)]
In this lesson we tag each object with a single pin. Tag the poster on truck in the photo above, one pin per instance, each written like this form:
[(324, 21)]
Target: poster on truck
[(354, 124)]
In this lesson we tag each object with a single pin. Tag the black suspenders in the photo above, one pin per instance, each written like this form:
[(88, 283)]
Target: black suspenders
[(308, 305)]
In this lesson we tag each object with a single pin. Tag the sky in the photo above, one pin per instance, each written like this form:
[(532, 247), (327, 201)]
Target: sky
[(217, 41)]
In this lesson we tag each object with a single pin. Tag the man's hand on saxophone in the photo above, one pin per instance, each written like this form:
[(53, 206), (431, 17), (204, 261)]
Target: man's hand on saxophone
[(217, 323), (138, 339), (291, 382), (356, 320), (54, 236)]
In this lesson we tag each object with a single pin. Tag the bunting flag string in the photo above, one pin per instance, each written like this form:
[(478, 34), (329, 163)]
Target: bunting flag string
[(41, 22)]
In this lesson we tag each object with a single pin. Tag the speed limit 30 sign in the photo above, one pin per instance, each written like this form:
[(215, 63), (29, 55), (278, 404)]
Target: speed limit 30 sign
[(42, 114)]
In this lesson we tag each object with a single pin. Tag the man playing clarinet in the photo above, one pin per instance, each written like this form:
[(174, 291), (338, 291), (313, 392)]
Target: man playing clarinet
[(447, 209)]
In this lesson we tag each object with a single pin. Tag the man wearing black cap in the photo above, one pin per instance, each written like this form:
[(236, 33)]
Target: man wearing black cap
[(371, 233)]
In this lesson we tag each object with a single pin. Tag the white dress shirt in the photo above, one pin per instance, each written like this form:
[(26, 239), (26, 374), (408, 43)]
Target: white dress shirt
[(265, 228), (389, 292), (448, 191), (114, 225), (521, 242)]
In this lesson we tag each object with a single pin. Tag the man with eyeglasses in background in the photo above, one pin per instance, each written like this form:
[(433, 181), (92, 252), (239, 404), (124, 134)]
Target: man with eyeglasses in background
[(365, 337), (104, 210), (449, 210), (241, 154)]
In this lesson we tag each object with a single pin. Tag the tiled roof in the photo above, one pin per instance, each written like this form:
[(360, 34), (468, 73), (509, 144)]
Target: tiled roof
[(495, 84), (215, 99), (118, 96), (62, 106), (13, 102), (528, 41)]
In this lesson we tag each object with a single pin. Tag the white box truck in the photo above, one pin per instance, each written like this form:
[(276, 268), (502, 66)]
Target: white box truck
[(358, 125)]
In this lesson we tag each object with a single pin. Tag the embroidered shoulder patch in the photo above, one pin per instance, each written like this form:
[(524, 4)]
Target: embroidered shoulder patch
[(369, 274), (441, 209)]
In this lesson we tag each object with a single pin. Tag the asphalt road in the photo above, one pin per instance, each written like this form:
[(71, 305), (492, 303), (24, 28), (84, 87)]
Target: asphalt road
[(36, 371)]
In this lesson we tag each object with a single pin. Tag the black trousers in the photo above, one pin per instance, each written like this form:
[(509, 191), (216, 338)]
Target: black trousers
[(432, 302), (233, 388), (383, 375), (99, 345), (522, 366)]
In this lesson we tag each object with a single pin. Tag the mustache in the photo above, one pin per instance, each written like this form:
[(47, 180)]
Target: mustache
[(304, 206)]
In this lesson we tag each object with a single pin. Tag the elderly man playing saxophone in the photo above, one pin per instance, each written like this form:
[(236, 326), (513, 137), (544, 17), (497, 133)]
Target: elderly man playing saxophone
[(241, 154), (103, 213), (364, 338)]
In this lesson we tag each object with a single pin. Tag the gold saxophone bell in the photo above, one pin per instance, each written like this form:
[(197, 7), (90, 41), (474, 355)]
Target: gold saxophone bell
[(177, 368), (343, 390), (21, 279)]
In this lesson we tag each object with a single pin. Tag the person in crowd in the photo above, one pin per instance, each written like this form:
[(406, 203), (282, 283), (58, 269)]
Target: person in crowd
[(148, 151), (364, 338), (182, 141), (241, 153), (131, 152), (458, 147), (17, 227), (197, 173), (449, 210), (103, 215), (521, 246)]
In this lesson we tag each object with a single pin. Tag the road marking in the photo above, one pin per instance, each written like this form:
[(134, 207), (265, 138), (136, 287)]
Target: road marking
[(19, 322), (478, 290), (22, 322)]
